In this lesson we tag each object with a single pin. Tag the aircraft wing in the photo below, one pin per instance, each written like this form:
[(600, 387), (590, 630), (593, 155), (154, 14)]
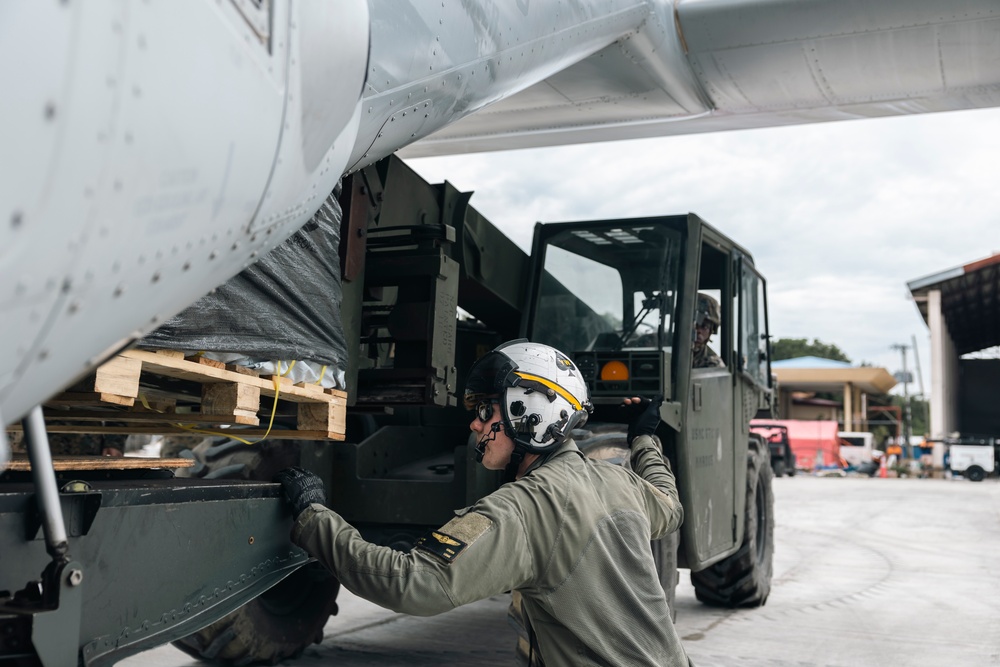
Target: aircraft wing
[(711, 65), (151, 151)]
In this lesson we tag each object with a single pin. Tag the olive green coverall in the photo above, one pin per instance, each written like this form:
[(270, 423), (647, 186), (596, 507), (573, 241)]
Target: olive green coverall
[(572, 535)]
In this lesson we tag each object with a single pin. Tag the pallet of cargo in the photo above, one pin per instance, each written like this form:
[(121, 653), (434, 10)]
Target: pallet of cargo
[(162, 392)]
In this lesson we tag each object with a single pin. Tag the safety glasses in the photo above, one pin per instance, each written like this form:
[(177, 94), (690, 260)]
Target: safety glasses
[(484, 409)]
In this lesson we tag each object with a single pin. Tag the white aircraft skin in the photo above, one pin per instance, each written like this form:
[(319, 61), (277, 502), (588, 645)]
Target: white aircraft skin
[(708, 65), (152, 150)]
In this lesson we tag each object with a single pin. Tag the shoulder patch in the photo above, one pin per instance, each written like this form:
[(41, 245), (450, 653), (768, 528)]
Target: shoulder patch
[(442, 545), (448, 542)]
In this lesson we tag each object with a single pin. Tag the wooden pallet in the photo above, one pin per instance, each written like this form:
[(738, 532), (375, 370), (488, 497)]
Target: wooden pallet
[(144, 392), (19, 462)]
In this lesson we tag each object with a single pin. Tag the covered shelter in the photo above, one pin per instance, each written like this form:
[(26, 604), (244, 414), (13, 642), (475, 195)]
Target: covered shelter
[(816, 375), (961, 307)]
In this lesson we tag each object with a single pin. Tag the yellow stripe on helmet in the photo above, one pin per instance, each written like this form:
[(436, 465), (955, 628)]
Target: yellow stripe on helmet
[(553, 386)]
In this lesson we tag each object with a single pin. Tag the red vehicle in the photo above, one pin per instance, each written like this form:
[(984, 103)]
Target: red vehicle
[(814, 443), (776, 435)]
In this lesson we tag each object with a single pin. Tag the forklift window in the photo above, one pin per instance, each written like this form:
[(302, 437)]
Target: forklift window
[(580, 302), (608, 287), (712, 278), (753, 327), (715, 342)]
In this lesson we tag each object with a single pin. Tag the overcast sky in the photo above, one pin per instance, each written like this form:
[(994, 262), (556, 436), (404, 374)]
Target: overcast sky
[(839, 216)]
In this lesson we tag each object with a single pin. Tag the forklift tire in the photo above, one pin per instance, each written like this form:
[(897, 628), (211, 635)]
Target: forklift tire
[(284, 620), (277, 625), (975, 474), (779, 468), (744, 578)]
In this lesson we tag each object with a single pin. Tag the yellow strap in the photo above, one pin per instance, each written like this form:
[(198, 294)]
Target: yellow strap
[(274, 409), (192, 429), (553, 386), (145, 403), (322, 372), (270, 424)]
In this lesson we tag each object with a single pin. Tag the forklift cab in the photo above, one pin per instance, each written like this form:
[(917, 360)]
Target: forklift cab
[(618, 297)]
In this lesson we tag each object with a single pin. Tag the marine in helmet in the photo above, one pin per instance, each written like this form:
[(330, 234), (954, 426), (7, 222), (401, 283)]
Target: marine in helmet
[(569, 533), (707, 317), (539, 396)]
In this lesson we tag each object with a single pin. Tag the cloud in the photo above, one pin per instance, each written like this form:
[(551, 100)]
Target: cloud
[(839, 216)]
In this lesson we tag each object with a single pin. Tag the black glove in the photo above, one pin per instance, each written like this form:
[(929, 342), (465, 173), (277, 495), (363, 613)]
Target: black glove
[(643, 417), (302, 488)]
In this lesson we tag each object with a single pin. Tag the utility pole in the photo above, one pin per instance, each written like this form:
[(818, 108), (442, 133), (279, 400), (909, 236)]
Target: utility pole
[(907, 415), (920, 379)]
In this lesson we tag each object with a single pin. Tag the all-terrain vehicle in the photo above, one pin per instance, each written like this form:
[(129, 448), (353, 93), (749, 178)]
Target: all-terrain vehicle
[(782, 456)]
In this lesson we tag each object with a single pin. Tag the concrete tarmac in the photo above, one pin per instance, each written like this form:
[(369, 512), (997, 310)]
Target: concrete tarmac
[(867, 572)]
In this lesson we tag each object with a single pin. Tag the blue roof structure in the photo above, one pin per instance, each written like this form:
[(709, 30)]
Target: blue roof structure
[(810, 362)]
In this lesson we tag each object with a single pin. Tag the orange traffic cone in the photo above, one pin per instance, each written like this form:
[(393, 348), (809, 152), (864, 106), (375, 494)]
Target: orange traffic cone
[(881, 469)]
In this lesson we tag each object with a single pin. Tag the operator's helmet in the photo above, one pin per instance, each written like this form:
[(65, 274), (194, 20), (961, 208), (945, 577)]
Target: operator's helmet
[(707, 310), (541, 394)]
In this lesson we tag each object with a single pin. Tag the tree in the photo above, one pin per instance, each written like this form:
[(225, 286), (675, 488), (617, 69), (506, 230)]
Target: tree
[(919, 412), (792, 348)]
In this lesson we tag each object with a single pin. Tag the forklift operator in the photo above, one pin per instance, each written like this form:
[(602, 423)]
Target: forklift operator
[(569, 533), (707, 318)]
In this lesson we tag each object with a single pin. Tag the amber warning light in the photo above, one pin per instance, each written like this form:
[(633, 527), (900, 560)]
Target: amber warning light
[(614, 371)]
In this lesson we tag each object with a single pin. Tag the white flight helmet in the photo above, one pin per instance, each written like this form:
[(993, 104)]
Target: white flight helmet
[(541, 393)]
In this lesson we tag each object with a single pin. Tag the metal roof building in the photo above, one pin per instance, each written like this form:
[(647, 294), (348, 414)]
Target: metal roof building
[(814, 374), (961, 306)]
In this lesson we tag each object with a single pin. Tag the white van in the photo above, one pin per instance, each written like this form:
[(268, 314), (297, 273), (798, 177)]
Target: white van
[(856, 447)]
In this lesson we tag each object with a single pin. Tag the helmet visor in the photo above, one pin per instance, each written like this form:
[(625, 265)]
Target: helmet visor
[(487, 378)]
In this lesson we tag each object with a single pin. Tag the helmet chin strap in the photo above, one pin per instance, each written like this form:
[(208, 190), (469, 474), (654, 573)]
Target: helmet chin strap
[(485, 440), (516, 457)]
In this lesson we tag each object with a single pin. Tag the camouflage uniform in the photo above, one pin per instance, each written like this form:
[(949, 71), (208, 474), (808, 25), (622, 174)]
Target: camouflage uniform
[(572, 536), (706, 358), (707, 310)]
